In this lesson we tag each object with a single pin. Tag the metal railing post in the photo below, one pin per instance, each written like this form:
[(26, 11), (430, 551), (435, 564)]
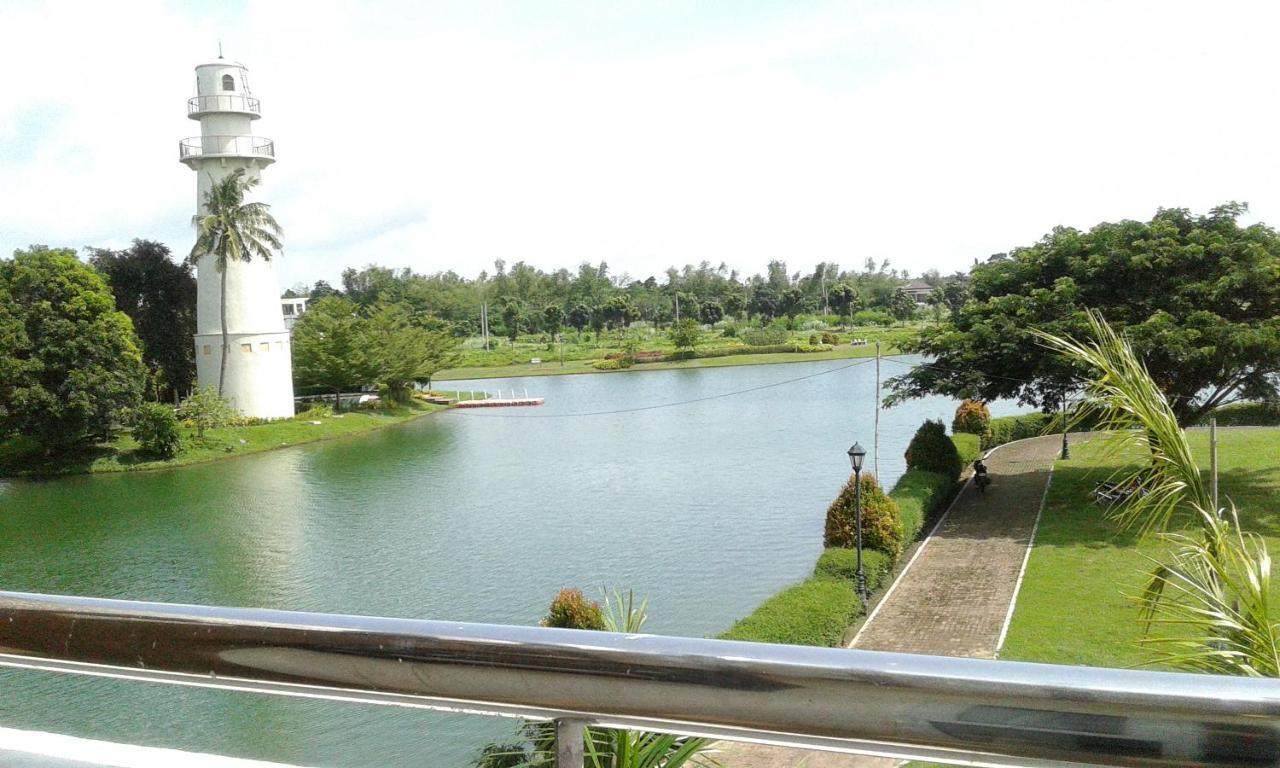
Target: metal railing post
[(569, 740)]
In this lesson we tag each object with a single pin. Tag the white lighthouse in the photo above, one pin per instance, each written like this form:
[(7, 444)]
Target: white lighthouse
[(259, 378)]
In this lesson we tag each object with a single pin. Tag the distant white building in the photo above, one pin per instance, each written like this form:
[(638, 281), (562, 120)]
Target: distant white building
[(292, 309)]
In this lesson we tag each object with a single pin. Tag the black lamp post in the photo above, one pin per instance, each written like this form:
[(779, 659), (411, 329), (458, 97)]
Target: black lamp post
[(856, 454)]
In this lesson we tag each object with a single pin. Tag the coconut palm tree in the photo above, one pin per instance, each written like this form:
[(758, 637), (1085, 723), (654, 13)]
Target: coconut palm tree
[(232, 230), (1210, 592)]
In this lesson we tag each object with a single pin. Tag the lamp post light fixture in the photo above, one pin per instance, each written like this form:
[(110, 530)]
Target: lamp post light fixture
[(856, 454)]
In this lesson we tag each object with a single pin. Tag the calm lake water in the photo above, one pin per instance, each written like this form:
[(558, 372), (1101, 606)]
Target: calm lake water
[(705, 508)]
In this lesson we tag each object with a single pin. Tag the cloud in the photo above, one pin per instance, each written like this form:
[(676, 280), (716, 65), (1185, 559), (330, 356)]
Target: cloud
[(444, 136)]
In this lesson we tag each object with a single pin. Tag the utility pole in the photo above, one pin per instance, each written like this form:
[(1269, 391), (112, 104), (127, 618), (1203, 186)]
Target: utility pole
[(875, 444), (1213, 464)]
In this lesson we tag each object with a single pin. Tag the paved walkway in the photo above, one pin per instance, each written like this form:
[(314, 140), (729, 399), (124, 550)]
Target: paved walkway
[(954, 597)]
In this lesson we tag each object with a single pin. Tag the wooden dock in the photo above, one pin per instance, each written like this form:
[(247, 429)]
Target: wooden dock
[(499, 402)]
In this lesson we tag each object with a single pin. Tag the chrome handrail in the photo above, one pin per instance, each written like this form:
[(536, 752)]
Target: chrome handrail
[(925, 707), (235, 146), (223, 102)]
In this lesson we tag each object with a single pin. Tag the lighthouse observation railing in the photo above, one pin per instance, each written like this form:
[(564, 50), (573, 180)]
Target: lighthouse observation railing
[(976, 711), (223, 102), (232, 146)]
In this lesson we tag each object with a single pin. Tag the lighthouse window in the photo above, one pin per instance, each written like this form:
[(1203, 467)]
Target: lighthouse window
[(246, 347), (264, 346), (228, 83), (206, 349)]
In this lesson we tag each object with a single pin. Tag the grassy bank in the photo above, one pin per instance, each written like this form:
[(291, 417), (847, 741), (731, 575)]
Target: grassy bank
[(553, 367), (1082, 565), (19, 458)]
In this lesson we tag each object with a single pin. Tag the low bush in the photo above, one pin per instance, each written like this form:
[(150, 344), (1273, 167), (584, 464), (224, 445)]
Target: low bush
[(814, 612), (1259, 414), (918, 495), (972, 416), (155, 427), (615, 364), (881, 519), (830, 339), (315, 413), (841, 563), (813, 340), (730, 331), (932, 451), (570, 610), (871, 317), (1006, 429), (761, 337)]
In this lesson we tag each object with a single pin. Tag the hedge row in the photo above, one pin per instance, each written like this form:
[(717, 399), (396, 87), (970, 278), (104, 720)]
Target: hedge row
[(818, 610), (968, 445), (842, 563), (918, 494), (1006, 429), (689, 354), (1262, 414)]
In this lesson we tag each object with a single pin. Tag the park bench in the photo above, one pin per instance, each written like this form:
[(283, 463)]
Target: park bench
[(1110, 494)]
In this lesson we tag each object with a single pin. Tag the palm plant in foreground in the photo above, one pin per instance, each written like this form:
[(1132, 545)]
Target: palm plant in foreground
[(232, 230), (1211, 590), (604, 747)]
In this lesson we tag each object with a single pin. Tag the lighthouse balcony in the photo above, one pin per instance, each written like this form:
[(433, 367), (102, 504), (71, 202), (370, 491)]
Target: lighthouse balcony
[(202, 147), (199, 106)]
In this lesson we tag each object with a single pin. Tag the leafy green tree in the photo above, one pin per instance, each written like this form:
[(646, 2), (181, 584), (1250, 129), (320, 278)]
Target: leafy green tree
[(206, 409), (401, 353), (579, 317), (764, 302), (328, 348), (231, 230), (712, 312), (902, 306), (1196, 295), (511, 319), (793, 302), (843, 298), (734, 303), (159, 296), (71, 364), (552, 318), (155, 427), (618, 312), (685, 334), (322, 289)]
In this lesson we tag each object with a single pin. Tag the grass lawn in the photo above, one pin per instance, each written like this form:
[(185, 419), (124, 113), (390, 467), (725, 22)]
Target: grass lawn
[(18, 458), (549, 367), (1073, 606)]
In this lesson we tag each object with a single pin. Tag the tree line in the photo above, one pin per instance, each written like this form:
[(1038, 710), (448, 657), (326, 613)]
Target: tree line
[(525, 299)]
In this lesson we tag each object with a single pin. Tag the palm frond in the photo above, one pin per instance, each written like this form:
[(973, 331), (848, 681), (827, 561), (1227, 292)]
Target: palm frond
[(1205, 603), (1132, 410), (1211, 598)]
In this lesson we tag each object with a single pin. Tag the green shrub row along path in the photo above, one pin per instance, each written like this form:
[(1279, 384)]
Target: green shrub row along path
[(954, 596)]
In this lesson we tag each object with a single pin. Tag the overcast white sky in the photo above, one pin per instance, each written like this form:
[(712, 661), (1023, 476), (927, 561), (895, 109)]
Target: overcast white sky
[(447, 135)]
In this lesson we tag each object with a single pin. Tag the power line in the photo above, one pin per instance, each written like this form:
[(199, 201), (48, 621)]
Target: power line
[(667, 405)]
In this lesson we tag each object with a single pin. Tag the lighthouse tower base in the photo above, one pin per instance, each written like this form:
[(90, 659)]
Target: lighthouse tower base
[(259, 381)]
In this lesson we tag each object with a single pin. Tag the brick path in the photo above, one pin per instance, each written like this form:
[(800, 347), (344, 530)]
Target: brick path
[(953, 598)]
